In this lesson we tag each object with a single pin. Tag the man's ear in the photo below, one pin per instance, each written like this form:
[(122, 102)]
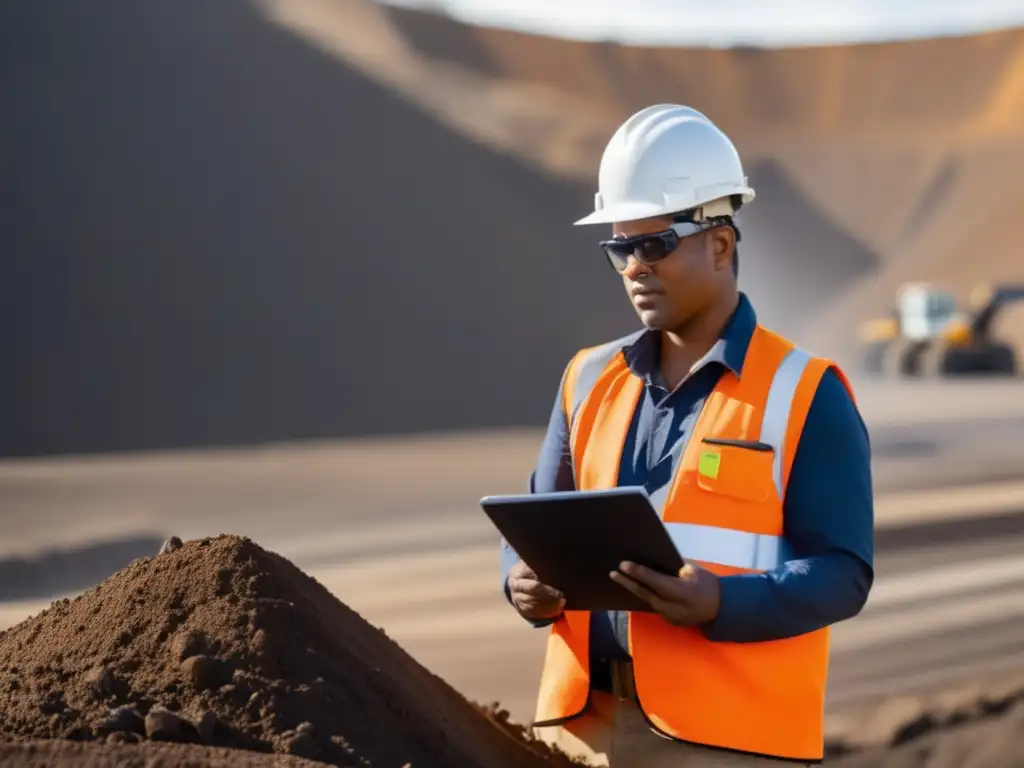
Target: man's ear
[(722, 240)]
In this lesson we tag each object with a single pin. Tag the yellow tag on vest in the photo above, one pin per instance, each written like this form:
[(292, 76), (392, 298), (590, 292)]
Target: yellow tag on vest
[(708, 463)]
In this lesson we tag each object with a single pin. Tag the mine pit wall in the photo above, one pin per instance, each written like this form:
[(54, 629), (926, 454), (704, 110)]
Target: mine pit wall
[(208, 249)]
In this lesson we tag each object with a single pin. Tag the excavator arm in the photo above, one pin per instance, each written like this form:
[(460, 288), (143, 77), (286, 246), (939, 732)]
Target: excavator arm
[(988, 302)]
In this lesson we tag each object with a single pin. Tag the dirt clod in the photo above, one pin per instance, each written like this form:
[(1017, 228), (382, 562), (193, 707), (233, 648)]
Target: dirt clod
[(205, 672), (186, 644), (303, 745), (101, 681), (205, 726), (173, 544), (122, 720), (164, 725), (221, 643)]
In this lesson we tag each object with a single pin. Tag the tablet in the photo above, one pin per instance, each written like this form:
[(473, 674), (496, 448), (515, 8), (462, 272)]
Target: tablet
[(572, 540)]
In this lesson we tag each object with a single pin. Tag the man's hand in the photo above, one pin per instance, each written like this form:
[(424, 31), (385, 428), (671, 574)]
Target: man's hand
[(689, 600), (532, 599)]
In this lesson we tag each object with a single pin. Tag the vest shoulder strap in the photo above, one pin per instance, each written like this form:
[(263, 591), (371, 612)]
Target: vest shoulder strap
[(793, 386), (584, 370), (802, 398)]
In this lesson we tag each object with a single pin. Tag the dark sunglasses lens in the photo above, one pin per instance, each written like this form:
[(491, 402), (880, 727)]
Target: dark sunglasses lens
[(618, 256), (647, 250), (654, 249)]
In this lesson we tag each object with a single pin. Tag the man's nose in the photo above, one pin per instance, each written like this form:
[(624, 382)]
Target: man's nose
[(635, 269)]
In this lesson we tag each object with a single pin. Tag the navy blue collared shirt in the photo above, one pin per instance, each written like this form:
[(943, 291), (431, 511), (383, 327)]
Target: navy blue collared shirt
[(828, 508)]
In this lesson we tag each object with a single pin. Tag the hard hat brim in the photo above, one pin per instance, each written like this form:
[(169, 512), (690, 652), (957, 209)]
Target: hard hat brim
[(636, 211), (624, 212)]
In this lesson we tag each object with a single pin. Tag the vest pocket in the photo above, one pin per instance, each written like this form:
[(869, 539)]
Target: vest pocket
[(732, 469)]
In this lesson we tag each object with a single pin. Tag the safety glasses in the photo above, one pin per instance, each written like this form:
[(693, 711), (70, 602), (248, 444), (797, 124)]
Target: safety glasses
[(650, 248)]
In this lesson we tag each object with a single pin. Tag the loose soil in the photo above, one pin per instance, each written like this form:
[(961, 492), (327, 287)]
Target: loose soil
[(991, 742), (976, 725), (220, 643), (78, 754)]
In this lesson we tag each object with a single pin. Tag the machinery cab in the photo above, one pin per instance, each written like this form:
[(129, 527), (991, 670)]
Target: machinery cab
[(925, 312), (927, 335)]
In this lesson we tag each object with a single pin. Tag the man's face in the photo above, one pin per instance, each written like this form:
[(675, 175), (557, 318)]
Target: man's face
[(670, 292)]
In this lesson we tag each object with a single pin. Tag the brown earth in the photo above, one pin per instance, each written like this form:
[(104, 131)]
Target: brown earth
[(992, 741), (72, 754), (223, 644), (977, 724)]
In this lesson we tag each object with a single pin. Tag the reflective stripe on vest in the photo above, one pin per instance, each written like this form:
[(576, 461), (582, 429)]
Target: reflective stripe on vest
[(584, 371), (725, 546)]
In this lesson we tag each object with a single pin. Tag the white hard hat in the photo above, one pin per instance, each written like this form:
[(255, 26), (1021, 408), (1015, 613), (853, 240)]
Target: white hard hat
[(664, 159)]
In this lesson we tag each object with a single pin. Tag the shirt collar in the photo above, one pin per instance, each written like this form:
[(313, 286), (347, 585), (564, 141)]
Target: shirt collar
[(642, 354)]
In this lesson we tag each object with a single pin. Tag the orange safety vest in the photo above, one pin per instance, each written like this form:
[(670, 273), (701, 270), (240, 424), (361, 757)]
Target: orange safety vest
[(724, 508)]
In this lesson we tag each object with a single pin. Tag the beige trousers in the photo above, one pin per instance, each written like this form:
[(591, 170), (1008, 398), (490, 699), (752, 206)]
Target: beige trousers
[(614, 734)]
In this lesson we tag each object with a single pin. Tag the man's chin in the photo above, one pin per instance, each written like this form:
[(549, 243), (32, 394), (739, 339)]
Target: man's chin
[(653, 320)]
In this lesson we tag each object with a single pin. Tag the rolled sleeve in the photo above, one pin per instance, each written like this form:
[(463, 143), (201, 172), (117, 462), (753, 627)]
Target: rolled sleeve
[(829, 523)]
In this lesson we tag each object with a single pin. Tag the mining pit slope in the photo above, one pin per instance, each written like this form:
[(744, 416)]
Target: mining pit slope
[(906, 158), (247, 221), (214, 233)]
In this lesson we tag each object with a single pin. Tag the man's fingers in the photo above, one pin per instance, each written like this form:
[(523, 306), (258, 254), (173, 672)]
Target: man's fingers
[(521, 571), (667, 587), (638, 589), (671, 611), (534, 608), (527, 603), (534, 588)]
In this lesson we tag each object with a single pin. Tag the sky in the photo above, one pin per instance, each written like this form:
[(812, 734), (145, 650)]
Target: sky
[(730, 22)]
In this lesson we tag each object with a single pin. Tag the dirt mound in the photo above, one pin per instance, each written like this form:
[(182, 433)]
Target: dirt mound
[(221, 643), (72, 754), (979, 724), (994, 741)]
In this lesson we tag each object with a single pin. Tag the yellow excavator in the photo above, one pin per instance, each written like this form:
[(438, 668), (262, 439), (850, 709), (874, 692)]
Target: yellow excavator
[(926, 335)]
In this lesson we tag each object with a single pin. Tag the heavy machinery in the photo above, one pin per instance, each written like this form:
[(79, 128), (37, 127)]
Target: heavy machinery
[(927, 335)]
